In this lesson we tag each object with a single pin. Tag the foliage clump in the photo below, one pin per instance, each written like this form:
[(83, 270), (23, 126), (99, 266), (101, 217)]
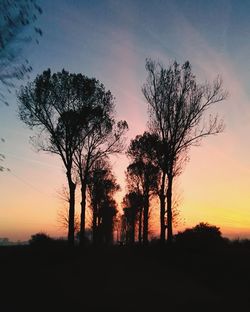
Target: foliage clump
[(40, 239), (200, 236)]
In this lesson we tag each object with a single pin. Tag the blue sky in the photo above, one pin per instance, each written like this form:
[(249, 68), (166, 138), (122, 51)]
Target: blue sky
[(110, 40)]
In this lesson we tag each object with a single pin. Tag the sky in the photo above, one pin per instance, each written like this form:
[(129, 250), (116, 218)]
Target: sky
[(110, 40)]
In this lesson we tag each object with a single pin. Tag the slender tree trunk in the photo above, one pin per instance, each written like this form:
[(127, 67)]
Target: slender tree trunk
[(111, 232), (132, 232), (99, 230), (83, 177), (162, 209), (169, 209), (140, 227), (71, 224), (128, 235), (83, 210), (145, 219), (94, 224)]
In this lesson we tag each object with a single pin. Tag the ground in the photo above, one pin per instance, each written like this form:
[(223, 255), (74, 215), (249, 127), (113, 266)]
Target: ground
[(125, 279)]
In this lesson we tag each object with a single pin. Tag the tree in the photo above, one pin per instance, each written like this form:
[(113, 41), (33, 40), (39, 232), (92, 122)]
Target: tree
[(201, 235), (144, 172), (105, 137), (40, 240), (102, 186), (178, 107), (132, 207), (63, 219), (2, 159), (133, 200), (16, 16), (55, 104), (63, 215)]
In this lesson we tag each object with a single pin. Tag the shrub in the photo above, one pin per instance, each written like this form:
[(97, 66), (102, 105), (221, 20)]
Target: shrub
[(200, 236), (40, 239)]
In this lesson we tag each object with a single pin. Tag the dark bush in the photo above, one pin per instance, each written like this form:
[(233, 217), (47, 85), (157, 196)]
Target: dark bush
[(41, 239), (203, 235), (240, 243)]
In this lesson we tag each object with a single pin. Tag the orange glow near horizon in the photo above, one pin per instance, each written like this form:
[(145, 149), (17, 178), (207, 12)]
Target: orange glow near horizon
[(207, 190)]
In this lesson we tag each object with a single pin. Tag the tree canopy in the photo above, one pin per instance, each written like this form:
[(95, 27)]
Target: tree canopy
[(178, 108), (16, 18)]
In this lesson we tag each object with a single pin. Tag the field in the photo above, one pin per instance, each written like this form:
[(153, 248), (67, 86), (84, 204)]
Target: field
[(125, 279)]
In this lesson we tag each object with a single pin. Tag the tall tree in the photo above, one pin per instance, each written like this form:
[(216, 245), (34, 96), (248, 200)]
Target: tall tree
[(132, 204), (178, 107), (102, 186), (55, 104), (16, 18), (144, 172), (105, 137)]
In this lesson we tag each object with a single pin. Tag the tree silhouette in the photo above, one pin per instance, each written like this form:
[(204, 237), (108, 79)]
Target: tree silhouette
[(178, 107), (55, 105), (16, 17), (62, 214), (40, 240), (104, 138), (2, 159), (202, 235), (132, 200), (144, 172), (102, 186), (132, 207)]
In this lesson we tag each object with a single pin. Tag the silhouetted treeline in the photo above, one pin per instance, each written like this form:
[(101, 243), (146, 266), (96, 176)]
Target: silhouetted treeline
[(74, 118), (177, 104), (102, 186)]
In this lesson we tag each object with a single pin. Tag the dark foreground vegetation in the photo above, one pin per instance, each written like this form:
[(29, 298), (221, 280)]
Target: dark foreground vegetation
[(122, 278)]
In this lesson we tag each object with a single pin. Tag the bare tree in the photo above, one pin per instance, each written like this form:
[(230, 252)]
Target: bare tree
[(62, 213), (178, 106), (63, 219), (177, 199)]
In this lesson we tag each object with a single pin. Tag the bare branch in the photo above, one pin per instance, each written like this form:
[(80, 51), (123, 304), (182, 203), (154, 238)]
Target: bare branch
[(178, 106)]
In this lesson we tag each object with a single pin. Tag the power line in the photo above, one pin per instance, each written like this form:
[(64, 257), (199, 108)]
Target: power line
[(28, 184)]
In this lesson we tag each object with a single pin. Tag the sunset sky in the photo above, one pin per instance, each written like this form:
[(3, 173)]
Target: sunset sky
[(110, 40)]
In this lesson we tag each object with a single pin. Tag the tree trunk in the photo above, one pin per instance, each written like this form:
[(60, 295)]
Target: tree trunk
[(94, 225), (169, 210), (140, 227), (83, 210), (99, 235), (162, 209), (132, 232), (145, 219), (71, 224)]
